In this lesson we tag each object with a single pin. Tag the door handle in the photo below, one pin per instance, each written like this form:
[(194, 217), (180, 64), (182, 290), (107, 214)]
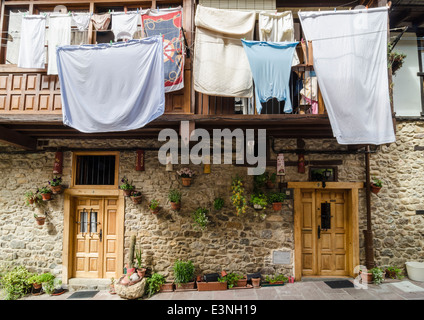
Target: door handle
[(100, 235), (319, 232)]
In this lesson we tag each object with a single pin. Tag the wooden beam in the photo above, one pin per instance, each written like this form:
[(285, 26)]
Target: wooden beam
[(17, 139)]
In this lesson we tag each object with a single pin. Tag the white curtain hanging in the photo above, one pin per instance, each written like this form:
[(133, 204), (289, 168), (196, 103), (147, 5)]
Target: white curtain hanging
[(350, 60), (108, 88), (31, 50)]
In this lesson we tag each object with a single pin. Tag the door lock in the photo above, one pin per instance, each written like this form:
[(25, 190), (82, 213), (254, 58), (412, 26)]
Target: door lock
[(100, 235)]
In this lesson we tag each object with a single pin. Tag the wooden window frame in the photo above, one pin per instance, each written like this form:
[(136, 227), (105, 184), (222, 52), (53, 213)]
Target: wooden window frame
[(97, 153)]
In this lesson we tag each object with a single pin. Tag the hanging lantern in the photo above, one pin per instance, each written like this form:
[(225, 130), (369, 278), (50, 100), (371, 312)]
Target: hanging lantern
[(58, 161), (301, 163), (207, 165), (281, 168), (139, 165), (169, 162)]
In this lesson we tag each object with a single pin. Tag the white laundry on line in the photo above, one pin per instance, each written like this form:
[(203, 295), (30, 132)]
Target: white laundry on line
[(108, 88), (124, 25), (31, 49), (350, 61), (59, 34)]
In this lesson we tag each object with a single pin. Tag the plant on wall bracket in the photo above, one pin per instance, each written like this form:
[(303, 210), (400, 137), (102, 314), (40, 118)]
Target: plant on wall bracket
[(200, 218), (238, 198)]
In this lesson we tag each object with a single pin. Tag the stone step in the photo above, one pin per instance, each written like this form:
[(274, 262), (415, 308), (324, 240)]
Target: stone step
[(76, 284)]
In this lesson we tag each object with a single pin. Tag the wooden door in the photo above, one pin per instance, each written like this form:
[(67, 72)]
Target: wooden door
[(95, 249), (324, 251)]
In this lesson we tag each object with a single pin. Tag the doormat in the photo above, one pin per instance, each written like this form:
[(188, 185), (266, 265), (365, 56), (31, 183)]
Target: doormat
[(339, 284), (407, 286), (83, 294)]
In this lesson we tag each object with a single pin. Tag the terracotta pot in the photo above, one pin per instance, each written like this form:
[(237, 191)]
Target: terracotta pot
[(256, 282), (56, 189), (211, 286), (127, 193), (31, 200), (270, 184), (141, 272), (130, 271), (167, 287), (175, 205), (136, 199), (46, 196), (40, 220), (241, 282), (37, 286), (277, 206), (154, 211), (184, 286), (366, 277), (186, 182), (375, 189)]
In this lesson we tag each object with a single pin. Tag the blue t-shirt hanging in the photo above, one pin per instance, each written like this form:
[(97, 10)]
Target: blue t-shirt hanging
[(270, 63)]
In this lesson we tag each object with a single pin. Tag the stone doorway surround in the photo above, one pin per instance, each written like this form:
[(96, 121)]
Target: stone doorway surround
[(353, 241)]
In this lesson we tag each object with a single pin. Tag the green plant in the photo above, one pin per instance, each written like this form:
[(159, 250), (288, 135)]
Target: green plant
[(153, 204), (139, 258), (15, 283), (136, 194), (56, 181), (183, 271), (238, 198), (259, 181), (272, 177), (394, 272), (45, 190), (218, 203), (50, 286), (200, 218), (34, 197), (174, 196), (377, 182), (276, 197), (259, 199), (126, 185), (276, 278), (231, 279), (377, 275), (154, 283), (41, 278), (395, 59)]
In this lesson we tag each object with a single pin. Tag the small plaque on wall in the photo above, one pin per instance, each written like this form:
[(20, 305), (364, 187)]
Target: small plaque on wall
[(281, 257)]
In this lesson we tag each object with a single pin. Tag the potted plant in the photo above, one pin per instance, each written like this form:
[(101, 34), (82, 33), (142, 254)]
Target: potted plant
[(211, 282), (376, 185), (256, 282), (136, 197), (154, 206), (200, 218), (141, 270), (45, 281), (259, 201), (238, 198), (31, 197), (375, 275), (233, 280), (40, 220), (186, 174), (277, 199), (276, 279), (270, 182), (14, 283), (174, 197), (46, 193), (218, 203), (56, 185), (126, 187), (184, 274), (394, 273), (154, 284)]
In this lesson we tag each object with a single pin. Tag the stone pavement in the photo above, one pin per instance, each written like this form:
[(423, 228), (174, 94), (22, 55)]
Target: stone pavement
[(405, 289)]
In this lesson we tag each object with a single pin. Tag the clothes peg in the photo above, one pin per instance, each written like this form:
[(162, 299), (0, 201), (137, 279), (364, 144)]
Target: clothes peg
[(125, 9), (335, 9), (109, 10), (110, 42)]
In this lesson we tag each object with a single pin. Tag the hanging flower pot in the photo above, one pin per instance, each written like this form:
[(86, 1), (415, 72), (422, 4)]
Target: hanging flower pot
[(136, 197), (174, 197), (56, 189), (186, 182), (175, 206), (126, 187), (376, 185), (154, 206), (276, 206), (46, 193), (55, 185), (40, 220)]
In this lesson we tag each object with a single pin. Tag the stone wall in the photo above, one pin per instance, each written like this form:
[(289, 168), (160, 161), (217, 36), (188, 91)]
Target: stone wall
[(234, 243)]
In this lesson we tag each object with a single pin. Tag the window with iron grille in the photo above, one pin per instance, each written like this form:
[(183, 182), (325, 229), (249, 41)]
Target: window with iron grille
[(95, 170)]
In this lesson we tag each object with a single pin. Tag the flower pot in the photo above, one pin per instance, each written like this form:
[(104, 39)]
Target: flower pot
[(31, 200), (374, 188), (40, 220), (366, 277), (256, 282), (186, 182), (46, 196), (241, 282), (154, 211), (136, 199), (167, 287), (127, 193), (141, 272), (175, 205), (270, 184), (130, 271), (211, 286), (56, 189), (184, 286), (277, 206)]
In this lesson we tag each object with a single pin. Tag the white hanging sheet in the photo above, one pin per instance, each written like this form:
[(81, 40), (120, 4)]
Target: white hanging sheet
[(82, 20), (124, 25), (220, 66), (31, 49), (108, 88), (350, 60), (59, 35)]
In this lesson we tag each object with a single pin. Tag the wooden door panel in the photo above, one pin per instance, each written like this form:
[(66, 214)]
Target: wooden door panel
[(308, 233)]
